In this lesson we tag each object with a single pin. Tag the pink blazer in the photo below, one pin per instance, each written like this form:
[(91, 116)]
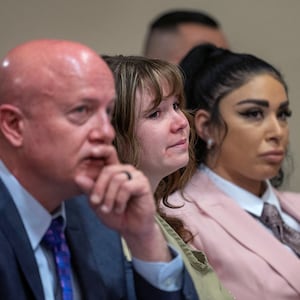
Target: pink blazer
[(249, 260)]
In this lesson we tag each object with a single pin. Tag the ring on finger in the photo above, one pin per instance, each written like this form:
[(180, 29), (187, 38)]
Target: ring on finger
[(128, 174)]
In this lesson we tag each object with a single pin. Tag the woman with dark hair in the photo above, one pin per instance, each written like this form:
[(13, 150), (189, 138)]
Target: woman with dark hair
[(152, 133), (241, 109)]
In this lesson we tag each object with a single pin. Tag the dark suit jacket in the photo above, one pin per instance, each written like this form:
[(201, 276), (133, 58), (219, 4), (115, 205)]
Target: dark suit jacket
[(97, 258)]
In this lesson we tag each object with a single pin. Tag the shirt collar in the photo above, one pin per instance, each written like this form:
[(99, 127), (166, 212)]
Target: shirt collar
[(35, 217), (243, 198)]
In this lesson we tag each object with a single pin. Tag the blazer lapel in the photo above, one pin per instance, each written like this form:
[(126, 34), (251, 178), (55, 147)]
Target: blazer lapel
[(290, 203), (12, 227), (249, 232)]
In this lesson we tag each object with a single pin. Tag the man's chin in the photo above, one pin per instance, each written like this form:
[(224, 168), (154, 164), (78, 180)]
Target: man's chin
[(85, 180), (92, 168)]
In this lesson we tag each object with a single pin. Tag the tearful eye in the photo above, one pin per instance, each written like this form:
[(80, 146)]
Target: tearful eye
[(154, 115), (109, 112), (176, 106)]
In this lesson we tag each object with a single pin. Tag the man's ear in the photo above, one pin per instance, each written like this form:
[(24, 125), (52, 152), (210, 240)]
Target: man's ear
[(202, 118), (11, 124)]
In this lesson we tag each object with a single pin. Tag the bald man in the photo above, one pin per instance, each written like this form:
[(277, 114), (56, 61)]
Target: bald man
[(65, 198), (172, 34)]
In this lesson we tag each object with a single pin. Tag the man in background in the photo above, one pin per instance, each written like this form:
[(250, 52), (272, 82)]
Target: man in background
[(174, 33)]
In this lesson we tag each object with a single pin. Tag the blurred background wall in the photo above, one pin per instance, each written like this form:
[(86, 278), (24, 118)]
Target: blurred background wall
[(267, 28)]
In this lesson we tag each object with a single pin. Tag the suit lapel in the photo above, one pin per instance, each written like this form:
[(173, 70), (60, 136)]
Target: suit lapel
[(12, 227), (89, 243), (248, 232)]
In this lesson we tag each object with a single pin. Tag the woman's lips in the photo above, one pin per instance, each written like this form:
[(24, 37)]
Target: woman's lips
[(275, 156)]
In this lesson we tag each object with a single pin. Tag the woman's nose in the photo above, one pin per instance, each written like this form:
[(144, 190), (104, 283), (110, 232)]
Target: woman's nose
[(180, 121)]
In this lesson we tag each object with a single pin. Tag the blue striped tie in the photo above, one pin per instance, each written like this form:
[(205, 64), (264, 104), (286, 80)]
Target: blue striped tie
[(54, 239)]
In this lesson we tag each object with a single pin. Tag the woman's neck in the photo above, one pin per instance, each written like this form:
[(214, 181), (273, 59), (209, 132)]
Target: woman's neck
[(153, 183), (254, 186)]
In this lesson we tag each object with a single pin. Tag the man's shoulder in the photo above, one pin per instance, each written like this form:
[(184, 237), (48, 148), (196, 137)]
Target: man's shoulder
[(81, 218)]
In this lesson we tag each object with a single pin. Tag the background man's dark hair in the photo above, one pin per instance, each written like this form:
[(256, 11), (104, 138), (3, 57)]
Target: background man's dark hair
[(172, 18)]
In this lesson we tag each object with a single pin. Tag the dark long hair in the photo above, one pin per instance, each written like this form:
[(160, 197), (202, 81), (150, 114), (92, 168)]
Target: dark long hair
[(211, 73)]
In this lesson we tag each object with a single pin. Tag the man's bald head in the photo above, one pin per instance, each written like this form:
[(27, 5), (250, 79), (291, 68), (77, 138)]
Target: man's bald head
[(56, 99), (37, 66)]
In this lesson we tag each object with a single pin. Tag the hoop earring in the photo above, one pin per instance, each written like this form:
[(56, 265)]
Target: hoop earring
[(210, 142)]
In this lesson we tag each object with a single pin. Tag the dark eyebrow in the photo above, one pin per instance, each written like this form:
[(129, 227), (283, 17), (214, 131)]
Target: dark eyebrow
[(284, 104), (262, 102)]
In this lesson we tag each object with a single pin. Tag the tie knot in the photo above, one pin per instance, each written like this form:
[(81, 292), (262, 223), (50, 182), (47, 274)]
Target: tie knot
[(54, 235), (270, 215)]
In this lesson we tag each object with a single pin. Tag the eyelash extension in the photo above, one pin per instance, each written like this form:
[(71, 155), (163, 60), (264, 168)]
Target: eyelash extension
[(249, 113), (288, 113)]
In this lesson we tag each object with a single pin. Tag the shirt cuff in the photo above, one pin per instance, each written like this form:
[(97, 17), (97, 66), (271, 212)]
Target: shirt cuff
[(166, 276)]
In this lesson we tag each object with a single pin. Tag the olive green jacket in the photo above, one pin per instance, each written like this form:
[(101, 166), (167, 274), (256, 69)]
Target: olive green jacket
[(205, 280)]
